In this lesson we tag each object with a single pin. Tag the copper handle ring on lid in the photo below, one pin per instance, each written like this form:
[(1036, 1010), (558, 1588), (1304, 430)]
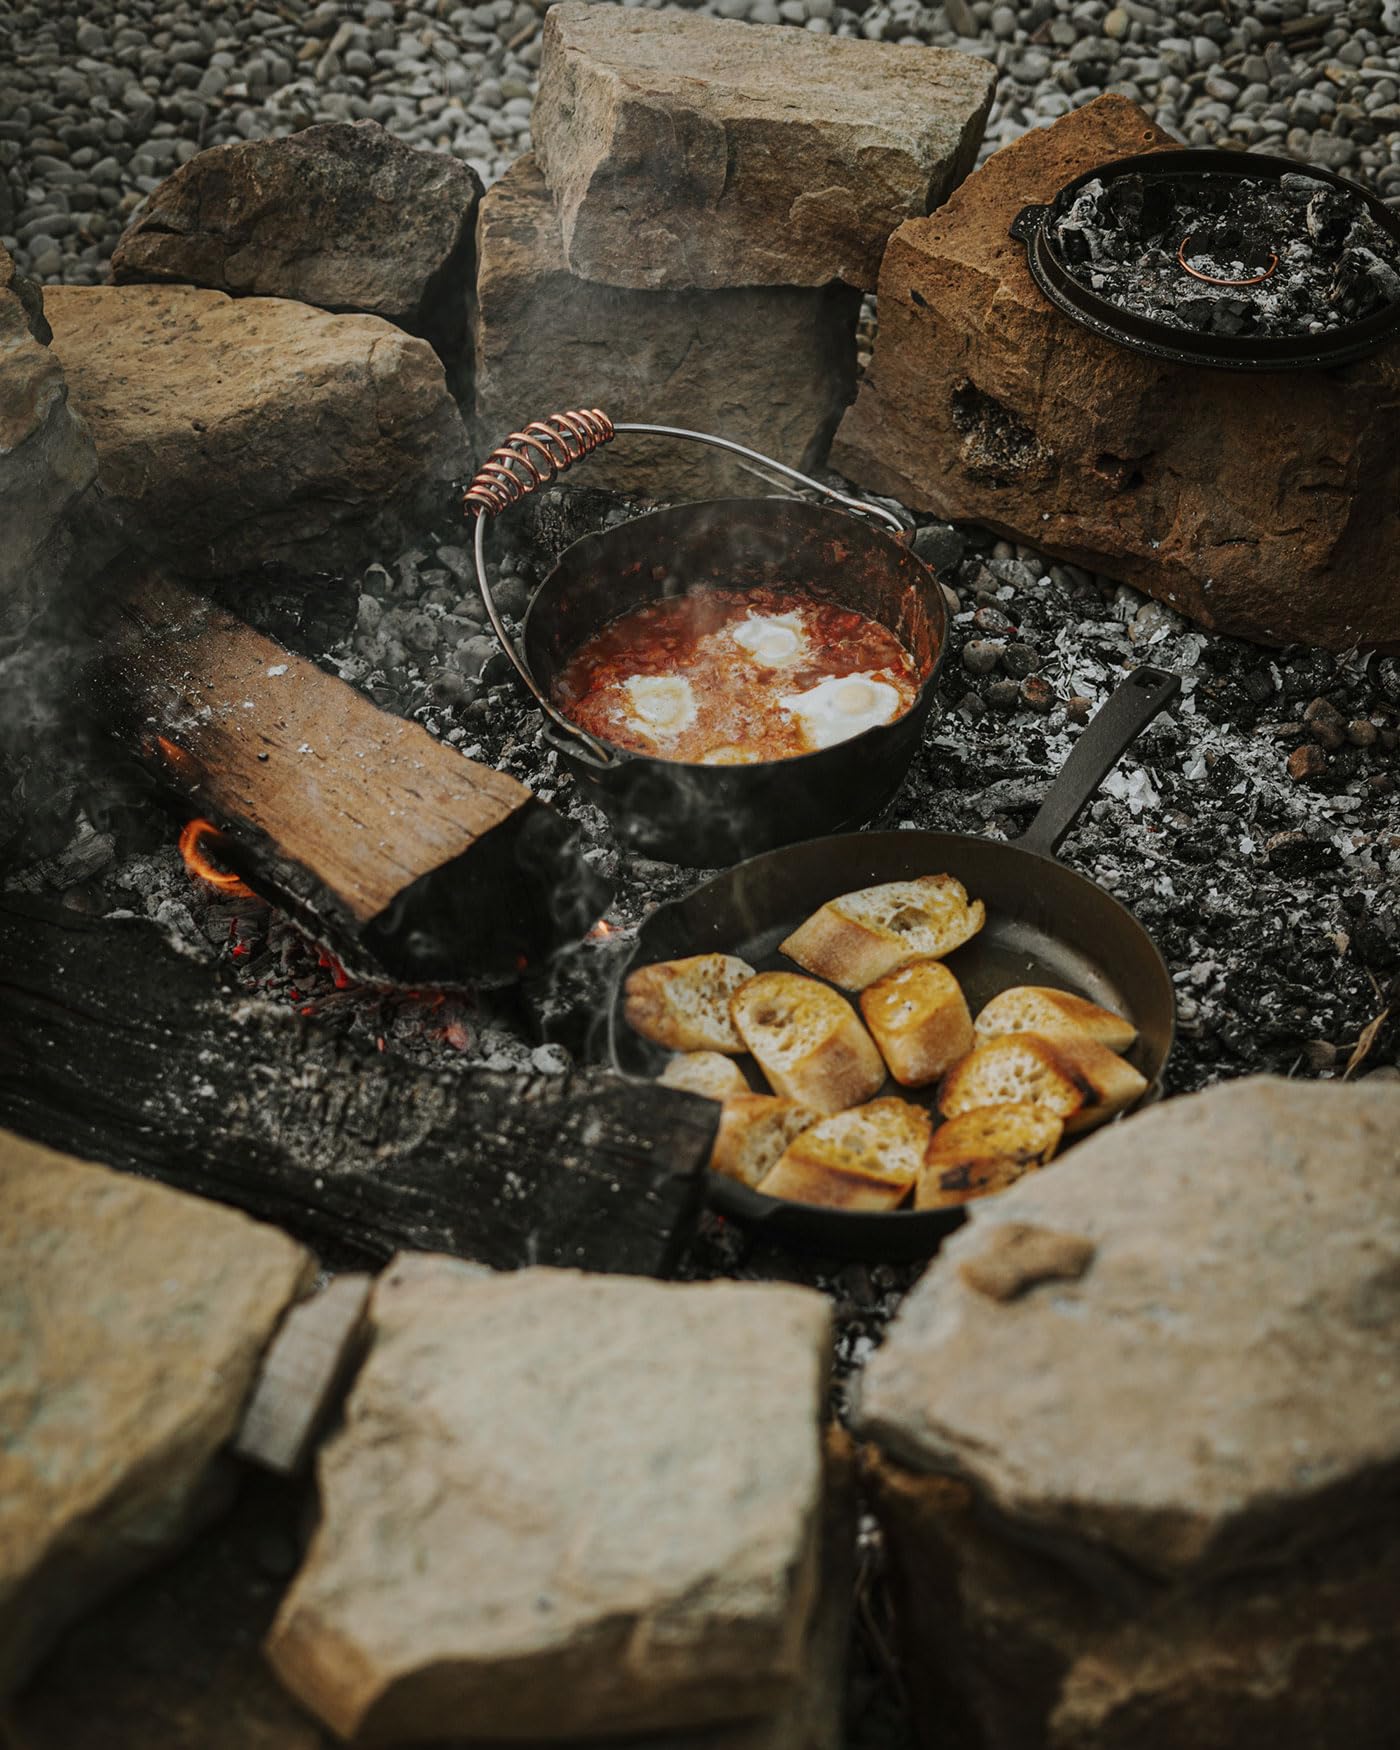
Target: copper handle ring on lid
[(1212, 279), (535, 457)]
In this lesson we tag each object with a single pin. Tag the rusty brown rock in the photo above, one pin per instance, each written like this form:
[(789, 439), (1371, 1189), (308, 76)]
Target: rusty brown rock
[(236, 432), (1264, 505), (132, 1319), (1213, 1385), (685, 151), (46, 454), (343, 216), (565, 1506), (770, 367)]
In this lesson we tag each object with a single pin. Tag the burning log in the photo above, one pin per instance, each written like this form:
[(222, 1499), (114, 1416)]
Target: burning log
[(117, 1048), (392, 849)]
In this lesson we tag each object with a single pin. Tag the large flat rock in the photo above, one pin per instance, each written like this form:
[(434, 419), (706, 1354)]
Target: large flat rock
[(565, 1506), (236, 432), (132, 1319), (342, 215), (684, 150), (46, 454), (770, 367), (1219, 1382), (1266, 505)]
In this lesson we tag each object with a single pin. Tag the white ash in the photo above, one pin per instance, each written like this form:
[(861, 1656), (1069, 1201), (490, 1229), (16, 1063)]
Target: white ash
[(1326, 259)]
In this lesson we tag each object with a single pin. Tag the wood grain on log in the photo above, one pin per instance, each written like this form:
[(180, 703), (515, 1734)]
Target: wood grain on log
[(391, 848), (117, 1048)]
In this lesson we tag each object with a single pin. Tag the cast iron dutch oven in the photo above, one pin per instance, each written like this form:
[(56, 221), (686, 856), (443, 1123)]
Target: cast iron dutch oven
[(1045, 925), (1034, 226), (698, 815)]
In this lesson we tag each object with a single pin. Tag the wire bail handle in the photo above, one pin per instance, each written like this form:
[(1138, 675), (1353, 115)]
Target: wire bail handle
[(537, 456)]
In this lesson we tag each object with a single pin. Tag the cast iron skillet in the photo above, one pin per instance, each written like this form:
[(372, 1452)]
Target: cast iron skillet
[(1046, 924), (1160, 340), (708, 815)]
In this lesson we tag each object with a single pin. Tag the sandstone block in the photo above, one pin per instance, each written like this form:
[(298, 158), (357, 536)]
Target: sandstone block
[(1265, 505), (685, 151), (565, 1506), (132, 1319), (236, 432), (175, 1662), (46, 455), (342, 215), (770, 367), (1208, 1393)]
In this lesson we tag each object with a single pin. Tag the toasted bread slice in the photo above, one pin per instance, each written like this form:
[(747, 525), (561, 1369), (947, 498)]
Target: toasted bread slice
[(1018, 1069), (754, 1130), (864, 1159), (919, 1020), (705, 1072), (807, 1040), (861, 936), (985, 1150), (1112, 1083), (684, 1004), (1035, 1008), (1077, 1080)]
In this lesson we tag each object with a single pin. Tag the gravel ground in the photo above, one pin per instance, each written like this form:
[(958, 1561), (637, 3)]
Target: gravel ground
[(98, 102)]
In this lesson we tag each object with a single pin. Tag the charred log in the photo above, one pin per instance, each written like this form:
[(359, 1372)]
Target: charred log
[(393, 850), (117, 1048)]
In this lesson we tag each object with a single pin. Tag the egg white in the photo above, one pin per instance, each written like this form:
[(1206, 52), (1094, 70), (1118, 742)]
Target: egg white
[(842, 706), (772, 639), (658, 705)]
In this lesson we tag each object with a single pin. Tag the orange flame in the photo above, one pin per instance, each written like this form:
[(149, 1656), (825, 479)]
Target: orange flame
[(197, 861), (602, 930)]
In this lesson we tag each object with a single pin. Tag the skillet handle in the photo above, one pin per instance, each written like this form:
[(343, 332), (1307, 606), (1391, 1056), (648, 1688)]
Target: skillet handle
[(1130, 708)]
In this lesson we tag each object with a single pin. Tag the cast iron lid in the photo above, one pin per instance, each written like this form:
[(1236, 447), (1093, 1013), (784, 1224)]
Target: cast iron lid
[(1035, 226)]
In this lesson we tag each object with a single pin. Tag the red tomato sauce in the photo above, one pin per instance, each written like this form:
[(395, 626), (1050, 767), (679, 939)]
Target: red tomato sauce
[(672, 679)]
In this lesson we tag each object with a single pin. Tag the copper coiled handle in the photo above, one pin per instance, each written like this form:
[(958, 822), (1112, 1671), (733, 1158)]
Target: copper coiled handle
[(532, 458)]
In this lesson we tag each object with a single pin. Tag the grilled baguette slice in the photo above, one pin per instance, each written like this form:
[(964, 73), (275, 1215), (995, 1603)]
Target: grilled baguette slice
[(754, 1130), (919, 1020), (1081, 1082), (863, 1159), (1035, 1008), (684, 1004), (705, 1072), (983, 1151), (861, 936), (807, 1040)]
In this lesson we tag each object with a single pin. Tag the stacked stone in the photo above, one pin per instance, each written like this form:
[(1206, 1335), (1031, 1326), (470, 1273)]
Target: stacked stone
[(271, 379), (689, 242), (1139, 1438)]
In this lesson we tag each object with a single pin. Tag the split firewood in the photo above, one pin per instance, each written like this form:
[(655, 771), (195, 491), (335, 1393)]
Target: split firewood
[(396, 852), (117, 1048)]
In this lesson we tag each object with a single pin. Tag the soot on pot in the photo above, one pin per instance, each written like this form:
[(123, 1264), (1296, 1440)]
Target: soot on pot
[(1306, 256)]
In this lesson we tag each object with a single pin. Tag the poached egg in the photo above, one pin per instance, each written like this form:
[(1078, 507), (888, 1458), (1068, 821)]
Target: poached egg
[(842, 706)]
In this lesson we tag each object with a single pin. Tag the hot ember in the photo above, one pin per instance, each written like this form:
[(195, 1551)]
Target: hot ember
[(730, 677)]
